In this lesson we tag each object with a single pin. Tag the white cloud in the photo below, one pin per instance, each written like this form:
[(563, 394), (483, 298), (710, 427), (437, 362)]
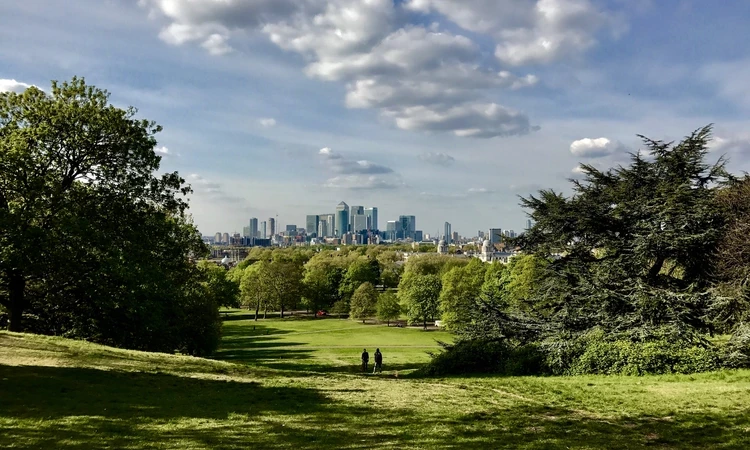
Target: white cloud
[(268, 122), (364, 182), (595, 148), (734, 147), (527, 31), (7, 85), (480, 191), (341, 164), (419, 78), (440, 159), (212, 190), (163, 151)]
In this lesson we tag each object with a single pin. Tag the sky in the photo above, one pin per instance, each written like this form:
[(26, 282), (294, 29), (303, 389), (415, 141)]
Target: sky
[(448, 110)]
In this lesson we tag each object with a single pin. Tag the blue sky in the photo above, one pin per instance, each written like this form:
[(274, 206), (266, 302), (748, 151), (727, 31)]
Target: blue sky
[(443, 109)]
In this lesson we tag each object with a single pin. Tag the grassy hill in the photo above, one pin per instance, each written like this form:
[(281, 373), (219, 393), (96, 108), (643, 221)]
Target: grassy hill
[(293, 384)]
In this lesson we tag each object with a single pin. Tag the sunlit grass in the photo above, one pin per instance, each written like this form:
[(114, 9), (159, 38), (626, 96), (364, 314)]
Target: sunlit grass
[(300, 390)]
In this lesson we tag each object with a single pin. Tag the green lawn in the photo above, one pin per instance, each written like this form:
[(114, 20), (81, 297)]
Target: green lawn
[(296, 388)]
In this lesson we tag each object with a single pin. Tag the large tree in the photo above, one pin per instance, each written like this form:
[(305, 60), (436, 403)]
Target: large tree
[(363, 303), (420, 296), (632, 248), (92, 242)]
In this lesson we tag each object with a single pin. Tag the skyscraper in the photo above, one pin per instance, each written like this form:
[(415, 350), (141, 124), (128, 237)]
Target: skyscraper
[(495, 235), (342, 219), (408, 225), (390, 230), (225, 238), (263, 230), (246, 232), (272, 227), (448, 235), (217, 238), (529, 224), (254, 228), (372, 218), (354, 212), (311, 225), (418, 237)]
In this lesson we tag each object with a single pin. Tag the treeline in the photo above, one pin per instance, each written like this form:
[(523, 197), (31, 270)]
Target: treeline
[(644, 269)]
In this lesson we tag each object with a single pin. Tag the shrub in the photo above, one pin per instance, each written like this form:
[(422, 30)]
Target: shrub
[(498, 357), (736, 353)]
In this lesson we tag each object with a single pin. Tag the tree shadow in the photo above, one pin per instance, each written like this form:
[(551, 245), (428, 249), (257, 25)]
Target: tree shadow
[(56, 407)]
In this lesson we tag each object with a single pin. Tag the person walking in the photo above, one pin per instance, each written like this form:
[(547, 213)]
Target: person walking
[(378, 361), (365, 360)]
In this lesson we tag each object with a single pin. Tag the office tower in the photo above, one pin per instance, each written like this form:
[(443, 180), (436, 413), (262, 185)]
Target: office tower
[(272, 227), (225, 238), (495, 235), (480, 234), (390, 230), (217, 238), (454, 238), (246, 232), (509, 233), (529, 224), (372, 218), (418, 236), (263, 230), (311, 225), (342, 219), (322, 228), (447, 234), (326, 224), (254, 228), (355, 211), (408, 226)]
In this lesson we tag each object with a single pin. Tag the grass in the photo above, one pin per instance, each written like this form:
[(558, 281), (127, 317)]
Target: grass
[(296, 387)]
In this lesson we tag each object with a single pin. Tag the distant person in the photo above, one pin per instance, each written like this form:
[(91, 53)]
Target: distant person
[(365, 360), (378, 361)]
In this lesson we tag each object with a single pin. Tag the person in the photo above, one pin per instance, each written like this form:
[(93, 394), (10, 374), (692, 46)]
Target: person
[(365, 360), (378, 361)]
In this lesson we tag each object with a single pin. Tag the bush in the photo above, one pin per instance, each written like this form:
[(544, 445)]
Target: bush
[(641, 358), (496, 357), (737, 351)]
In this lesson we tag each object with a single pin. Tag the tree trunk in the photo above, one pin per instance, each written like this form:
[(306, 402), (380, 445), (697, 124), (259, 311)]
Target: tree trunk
[(257, 310), (17, 288), (656, 268), (424, 324), (282, 311), (265, 311), (363, 320)]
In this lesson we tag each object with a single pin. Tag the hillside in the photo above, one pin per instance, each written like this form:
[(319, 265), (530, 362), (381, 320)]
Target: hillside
[(59, 393)]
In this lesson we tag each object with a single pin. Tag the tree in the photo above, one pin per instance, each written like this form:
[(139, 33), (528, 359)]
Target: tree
[(363, 302), (284, 281), (93, 244), (254, 287), (322, 278), (226, 292), (461, 286), (362, 270), (631, 248), (388, 307), (421, 298)]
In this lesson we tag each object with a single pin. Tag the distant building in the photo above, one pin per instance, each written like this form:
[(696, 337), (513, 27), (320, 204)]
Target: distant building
[(342, 219), (454, 237), (442, 247), (225, 239), (447, 234), (254, 228), (408, 227), (418, 236), (489, 254), (246, 232), (357, 219), (372, 218), (263, 230), (271, 227), (390, 230), (529, 224), (495, 235), (311, 225), (217, 238), (291, 230)]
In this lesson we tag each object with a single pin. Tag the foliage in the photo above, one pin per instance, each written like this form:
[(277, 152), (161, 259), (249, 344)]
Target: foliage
[(225, 291), (420, 296), (388, 307), (363, 302), (737, 350), (496, 357), (284, 281), (461, 286), (255, 292), (92, 244), (322, 278), (362, 270)]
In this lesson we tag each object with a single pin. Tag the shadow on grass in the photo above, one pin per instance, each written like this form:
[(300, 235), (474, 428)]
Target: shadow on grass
[(53, 407)]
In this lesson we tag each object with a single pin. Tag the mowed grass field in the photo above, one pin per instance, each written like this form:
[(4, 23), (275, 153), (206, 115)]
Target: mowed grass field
[(293, 384), (324, 344)]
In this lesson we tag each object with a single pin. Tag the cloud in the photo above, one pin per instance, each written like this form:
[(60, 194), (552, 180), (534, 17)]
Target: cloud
[(480, 191), (528, 32), (213, 190), (730, 80), (439, 159), (364, 182), (7, 85), (340, 164), (419, 78), (595, 148), (164, 151), (735, 147), (267, 122)]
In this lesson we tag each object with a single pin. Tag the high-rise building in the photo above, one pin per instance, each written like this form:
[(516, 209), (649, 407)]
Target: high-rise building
[(495, 235), (390, 230), (509, 233), (408, 225), (447, 234), (263, 230), (326, 224), (217, 238), (529, 224), (372, 218), (322, 228), (355, 211), (342, 219), (225, 239), (254, 228), (246, 233), (311, 225), (454, 238), (271, 227), (418, 236)]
